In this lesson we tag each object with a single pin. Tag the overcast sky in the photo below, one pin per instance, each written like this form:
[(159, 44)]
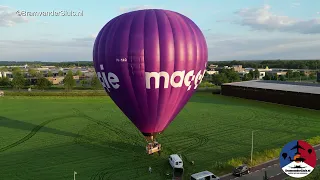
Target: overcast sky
[(235, 30)]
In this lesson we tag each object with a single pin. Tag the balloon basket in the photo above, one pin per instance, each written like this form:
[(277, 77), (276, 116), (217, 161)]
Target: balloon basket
[(153, 147)]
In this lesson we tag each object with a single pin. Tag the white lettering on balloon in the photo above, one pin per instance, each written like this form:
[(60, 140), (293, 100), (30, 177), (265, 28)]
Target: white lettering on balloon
[(112, 79), (176, 80)]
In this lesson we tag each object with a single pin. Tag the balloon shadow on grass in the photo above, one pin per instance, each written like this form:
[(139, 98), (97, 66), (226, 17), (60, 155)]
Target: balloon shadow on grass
[(15, 124), (33, 129)]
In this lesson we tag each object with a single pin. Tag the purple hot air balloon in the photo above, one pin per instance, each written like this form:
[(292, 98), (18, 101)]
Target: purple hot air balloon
[(150, 62)]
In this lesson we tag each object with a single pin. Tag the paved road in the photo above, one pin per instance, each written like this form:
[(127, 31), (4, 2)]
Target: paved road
[(272, 167)]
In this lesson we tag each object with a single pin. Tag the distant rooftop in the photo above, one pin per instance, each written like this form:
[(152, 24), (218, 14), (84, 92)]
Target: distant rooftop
[(280, 85)]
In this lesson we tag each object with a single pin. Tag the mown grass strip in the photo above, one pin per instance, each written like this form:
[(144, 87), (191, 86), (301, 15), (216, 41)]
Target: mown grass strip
[(257, 158)]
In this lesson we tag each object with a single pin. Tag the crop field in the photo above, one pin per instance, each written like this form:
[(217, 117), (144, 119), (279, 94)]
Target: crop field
[(51, 137)]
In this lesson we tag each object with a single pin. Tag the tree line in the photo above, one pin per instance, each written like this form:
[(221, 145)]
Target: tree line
[(230, 75), (19, 80), (285, 64)]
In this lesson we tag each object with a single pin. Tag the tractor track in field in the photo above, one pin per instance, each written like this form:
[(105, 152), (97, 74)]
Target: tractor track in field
[(119, 132), (33, 132), (201, 140), (130, 124), (106, 173)]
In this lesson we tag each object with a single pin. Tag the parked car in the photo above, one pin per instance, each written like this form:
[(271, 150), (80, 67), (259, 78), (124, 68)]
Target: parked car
[(175, 161), (204, 175), (241, 170)]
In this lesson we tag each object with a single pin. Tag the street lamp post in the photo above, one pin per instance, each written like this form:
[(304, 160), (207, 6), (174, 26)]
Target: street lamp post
[(252, 145)]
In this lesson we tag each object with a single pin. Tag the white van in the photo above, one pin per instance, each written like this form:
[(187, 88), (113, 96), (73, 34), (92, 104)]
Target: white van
[(175, 161), (204, 175)]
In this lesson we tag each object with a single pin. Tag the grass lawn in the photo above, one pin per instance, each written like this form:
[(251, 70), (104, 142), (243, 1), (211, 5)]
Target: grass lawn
[(51, 137)]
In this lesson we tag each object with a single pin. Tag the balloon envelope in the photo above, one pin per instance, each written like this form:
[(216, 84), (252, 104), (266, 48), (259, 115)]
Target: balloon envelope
[(150, 62)]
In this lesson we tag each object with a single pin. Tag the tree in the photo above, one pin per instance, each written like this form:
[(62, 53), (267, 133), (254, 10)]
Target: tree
[(247, 77), (68, 81), (256, 73), (78, 73), (32, 72), (312, 75), (84, 83), (60, 73), (231, 75), (3, 69), (252, 74), (18, 80), (50, 74), (16, 69), (39, 75), (95, 83), (289, 74), (275, 77), (220, 78), (267, 77), (27, 82), (43, 83), (296, 74), (282, 78), (4, 81)]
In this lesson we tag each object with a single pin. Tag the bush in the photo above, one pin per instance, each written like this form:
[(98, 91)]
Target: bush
[(206, 84), (314, 141), (236, 162)]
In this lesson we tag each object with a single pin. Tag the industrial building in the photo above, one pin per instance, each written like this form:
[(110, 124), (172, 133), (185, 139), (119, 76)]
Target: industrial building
[(280, 92)]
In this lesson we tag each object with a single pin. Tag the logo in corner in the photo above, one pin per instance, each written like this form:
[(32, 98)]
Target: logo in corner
[(298, 159)]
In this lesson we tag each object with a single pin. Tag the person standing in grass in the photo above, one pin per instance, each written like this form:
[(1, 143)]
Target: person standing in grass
[(150, 170)]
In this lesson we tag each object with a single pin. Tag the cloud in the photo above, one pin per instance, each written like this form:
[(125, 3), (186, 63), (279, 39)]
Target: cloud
[(86, 39), (9, 17), (255, 47), (129, 9), (73, 43), (295, 4), (264, 19), (76, 49)]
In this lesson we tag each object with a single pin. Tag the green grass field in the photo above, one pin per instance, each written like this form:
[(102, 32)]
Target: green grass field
[(51, 137)]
